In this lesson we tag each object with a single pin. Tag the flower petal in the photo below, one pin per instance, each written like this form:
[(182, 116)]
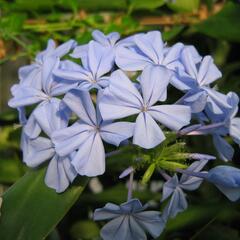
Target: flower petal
[(208, 72), (147, 133), (151, 222), (60, 173), (129, 60), (80, 102), (90, 158), (39, 150), (115, 133), (224, 149), (154, 81), (151, 44), (67, 140), (172, 116), (177, 204)]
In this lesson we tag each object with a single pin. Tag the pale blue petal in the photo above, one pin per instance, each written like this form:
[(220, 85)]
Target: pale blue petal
[(59, 174), (67, 140), (147, 133), (90, 158), (216, 100), (115, 133), (169, 187), (49, 65), (109, 211), (208, 72), (124, 89), (172, 57), (123, 227), (234, 129), (32, 128), (129, 60), (64, 48), (100, 60), (25, 96), (49, 117), (154, 81), (39, 151), (172, 116), (80, 51), (227, 180), (177, 204), (189, 63), (151, 44), (30, 76), (224, 149), (113, 108), (195, 99), (151, 222), (80, 102)]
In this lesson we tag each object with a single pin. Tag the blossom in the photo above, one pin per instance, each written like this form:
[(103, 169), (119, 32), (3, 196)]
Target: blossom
[(97, 62), (174, 188), (149, 49), (86, 135), (109, 43), (220, 126), (122, 99), (37, 84), (196, 78), (129, 221), (225, 178), (60, 173)]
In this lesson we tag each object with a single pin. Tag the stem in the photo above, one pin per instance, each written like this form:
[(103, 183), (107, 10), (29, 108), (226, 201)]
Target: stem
[(113, 153), (130, 186), (164, 175)]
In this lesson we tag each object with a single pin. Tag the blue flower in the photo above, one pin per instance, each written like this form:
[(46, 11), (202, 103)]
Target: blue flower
[(149, 49), (220, 126), (60, 173), (174, 188), (129, 221), (196, 79), (86, 135), (37, 84), (97, 63), (225, 178), (122, 98)]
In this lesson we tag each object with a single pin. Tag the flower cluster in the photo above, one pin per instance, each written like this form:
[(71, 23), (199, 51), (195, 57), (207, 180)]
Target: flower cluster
[(117, 92)]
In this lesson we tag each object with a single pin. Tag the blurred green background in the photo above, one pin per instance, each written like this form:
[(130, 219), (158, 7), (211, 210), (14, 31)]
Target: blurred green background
[(212, 26)]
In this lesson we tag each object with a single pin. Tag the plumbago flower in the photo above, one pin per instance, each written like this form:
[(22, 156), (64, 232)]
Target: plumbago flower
[(196, 78), (109, 43), (129, 221), (148, 49), (38, 86), (58, 88), (122, 99), (60, 172), (96, 64), (221, 125), (225, 178), (87, 134), (174, 187)]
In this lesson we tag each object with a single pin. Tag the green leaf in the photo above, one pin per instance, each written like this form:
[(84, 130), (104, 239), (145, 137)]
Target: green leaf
[(184, 5), (223, 25), (31, 210), (11, 25)]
